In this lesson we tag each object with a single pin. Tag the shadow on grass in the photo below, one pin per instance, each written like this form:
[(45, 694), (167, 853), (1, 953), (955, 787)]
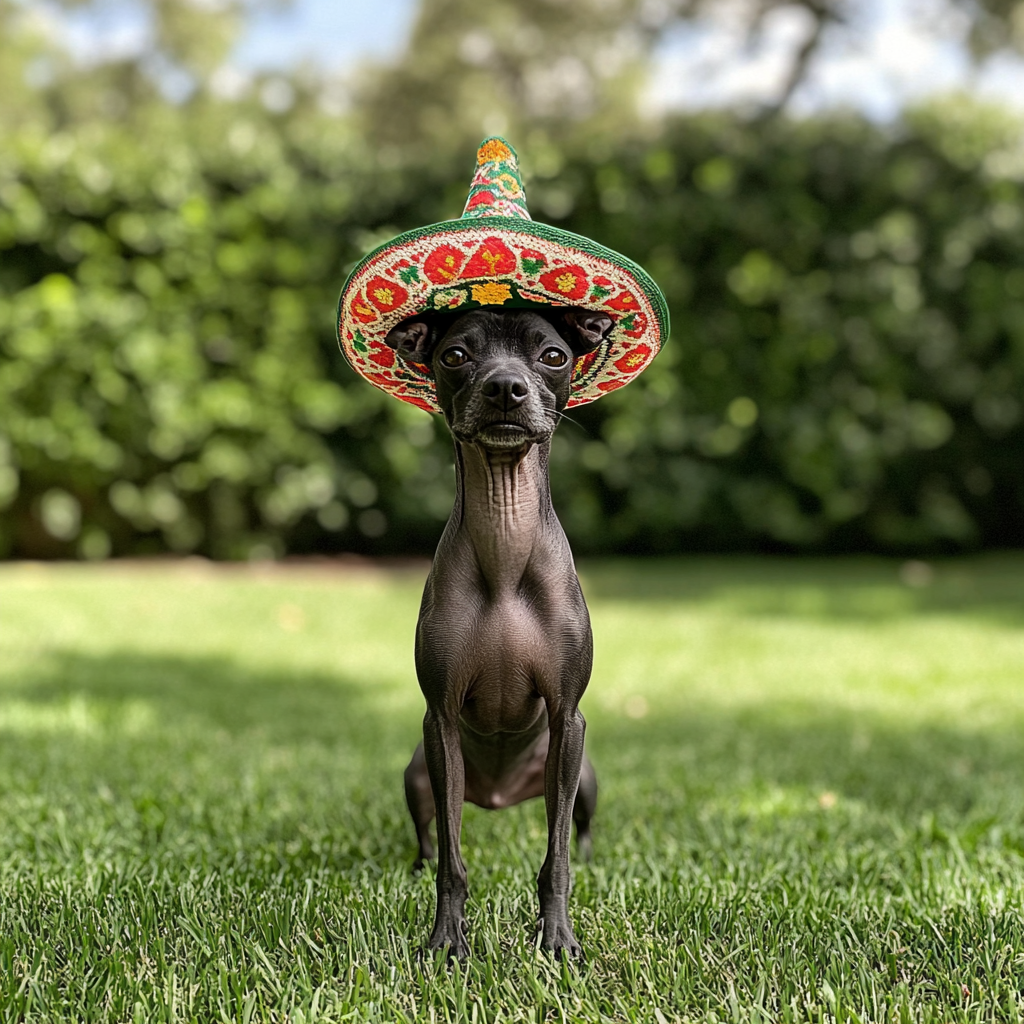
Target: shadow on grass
[(670, 768), (763, 762), (199, 760), (216, 693), (989, 587)]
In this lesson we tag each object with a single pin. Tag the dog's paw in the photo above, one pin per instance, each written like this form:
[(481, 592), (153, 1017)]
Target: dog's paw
[(557, 937), (451, 937)]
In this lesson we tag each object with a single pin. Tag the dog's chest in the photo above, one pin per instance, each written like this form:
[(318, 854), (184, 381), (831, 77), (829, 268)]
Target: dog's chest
[(500, 655), (502, 658)]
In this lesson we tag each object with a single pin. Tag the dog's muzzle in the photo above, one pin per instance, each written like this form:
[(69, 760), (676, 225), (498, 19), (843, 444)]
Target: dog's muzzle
[(506, 412)]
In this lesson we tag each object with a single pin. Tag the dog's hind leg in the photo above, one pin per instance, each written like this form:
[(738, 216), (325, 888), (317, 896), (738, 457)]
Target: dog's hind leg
[(583, 809), (421, 805)]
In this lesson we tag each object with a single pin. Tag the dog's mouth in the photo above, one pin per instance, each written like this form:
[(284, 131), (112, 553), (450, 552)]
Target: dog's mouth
[(503, 435), (502, 430)]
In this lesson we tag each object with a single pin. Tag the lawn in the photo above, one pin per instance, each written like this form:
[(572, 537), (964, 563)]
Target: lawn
[(812, 802)]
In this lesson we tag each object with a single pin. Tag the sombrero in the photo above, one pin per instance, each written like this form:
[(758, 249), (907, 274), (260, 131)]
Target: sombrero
[(497, 257)]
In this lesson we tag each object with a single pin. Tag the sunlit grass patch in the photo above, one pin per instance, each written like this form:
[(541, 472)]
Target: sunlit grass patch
[(812, 801)]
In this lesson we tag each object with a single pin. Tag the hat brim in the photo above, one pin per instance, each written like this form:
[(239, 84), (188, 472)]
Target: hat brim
[(497, 262)]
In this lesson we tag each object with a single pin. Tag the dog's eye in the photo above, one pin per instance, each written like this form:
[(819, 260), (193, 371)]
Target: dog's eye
[(455, 357), (553, 357)]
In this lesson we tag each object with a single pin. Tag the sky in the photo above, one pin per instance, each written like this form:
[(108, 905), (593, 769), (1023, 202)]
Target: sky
[(334, 32), (896, 51)]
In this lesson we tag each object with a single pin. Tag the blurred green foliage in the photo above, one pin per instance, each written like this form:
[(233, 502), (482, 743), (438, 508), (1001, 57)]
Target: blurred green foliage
[(846, 368), (847, 362), (170, 378)]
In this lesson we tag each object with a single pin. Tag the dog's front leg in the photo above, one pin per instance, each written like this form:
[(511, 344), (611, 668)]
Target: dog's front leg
[(443, 752), (561, 780)]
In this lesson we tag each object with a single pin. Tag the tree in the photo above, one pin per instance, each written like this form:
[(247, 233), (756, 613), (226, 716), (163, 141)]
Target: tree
[(473, 68), (984, 27)]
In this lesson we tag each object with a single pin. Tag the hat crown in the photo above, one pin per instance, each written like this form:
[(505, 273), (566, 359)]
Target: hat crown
[(497, 186)]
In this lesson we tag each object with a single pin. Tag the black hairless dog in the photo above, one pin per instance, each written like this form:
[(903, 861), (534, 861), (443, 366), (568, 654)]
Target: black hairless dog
[(503, 643)]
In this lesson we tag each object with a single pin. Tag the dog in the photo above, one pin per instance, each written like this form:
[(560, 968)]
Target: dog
[(503, 639)]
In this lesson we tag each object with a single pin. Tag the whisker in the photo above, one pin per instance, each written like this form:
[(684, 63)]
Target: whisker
[(575, 423)]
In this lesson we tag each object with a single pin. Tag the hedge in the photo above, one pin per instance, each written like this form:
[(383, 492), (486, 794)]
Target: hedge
[(845, 371)]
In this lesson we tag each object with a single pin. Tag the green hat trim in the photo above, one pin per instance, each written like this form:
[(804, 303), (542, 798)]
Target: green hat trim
[(495, 256)]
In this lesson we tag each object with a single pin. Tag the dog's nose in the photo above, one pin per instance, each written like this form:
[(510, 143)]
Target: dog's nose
[(505, 390)]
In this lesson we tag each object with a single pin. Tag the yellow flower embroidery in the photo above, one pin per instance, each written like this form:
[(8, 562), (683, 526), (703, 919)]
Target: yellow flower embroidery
[(565, 283), (508, 185), (384, 296), (492, 151), (492, 259), (491, 293)]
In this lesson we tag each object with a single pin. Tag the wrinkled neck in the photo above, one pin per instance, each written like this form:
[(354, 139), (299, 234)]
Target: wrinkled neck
[(504, 501)]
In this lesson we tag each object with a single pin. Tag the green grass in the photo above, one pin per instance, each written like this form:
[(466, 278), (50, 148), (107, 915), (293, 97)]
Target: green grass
[(812, 802)]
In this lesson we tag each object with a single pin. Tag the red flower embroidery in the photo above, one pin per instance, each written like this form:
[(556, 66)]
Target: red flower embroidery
[(385, 295), (583, 364), (604, 282), (484, 198), (610, 385), (492, 259), (382, 356), (633, 359), (418, 402), (443, 264), (626, 302), (361, 310), (570, 282)]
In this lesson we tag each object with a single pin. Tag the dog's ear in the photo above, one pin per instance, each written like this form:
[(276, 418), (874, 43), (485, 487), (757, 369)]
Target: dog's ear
[(414, 340), (584, 329)]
